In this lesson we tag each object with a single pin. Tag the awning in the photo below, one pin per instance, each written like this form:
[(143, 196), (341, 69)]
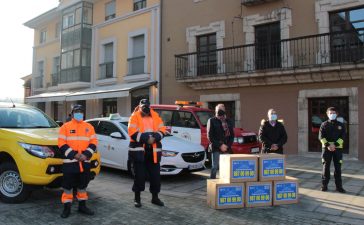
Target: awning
[(48, 97), (110, 91)]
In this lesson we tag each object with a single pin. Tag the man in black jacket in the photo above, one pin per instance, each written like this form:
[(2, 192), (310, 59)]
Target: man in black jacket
[(220, 133), (272, 134), (332, 135)]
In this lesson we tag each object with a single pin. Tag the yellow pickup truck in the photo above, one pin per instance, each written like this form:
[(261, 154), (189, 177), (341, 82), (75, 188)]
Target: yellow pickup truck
[(29, 155)]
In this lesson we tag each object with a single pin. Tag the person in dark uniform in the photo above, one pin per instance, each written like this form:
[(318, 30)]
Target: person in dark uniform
[(146, 131), (220, 133), (331, 135), (272, 134)]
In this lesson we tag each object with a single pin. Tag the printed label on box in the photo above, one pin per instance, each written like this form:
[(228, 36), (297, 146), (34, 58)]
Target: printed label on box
[(243, 168), (273, 167), (232, 195), (259, 193), (286, 191)]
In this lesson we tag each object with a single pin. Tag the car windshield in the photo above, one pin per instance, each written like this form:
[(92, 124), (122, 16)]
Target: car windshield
[(204, 116), (124, 125), (24, 118)]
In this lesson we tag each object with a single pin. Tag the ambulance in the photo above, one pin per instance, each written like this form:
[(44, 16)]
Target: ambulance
[(188, 120)]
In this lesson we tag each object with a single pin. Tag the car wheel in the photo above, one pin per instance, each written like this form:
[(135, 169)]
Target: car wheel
[(131, 169), (12, 188)]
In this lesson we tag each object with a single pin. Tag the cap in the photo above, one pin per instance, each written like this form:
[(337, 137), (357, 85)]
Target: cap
[(78, 108), (144, 102)]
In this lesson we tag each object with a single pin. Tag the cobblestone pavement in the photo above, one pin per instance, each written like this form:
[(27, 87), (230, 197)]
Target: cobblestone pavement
[(185, 199)]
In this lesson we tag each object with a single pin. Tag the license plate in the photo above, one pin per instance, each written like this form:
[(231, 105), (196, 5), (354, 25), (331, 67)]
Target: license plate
[(193, 167), (255, 150)]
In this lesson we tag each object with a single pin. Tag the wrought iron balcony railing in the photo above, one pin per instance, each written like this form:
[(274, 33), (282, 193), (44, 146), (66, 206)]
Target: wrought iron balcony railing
[(106, 70), (55, 78), (307, 51), (38, 82), (254, 2), (136, 65)]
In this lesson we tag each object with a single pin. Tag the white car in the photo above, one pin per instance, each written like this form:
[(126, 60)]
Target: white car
[(177, 154)]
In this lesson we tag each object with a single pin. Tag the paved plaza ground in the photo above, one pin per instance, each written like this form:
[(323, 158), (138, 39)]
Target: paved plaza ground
[(185, 200)]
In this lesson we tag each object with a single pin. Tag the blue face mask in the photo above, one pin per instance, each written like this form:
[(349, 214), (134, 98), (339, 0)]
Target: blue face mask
[(273, 117), (78, 116), (332, 116)]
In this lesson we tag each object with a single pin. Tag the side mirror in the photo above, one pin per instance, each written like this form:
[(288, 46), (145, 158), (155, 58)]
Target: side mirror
[(60, 123), (116, 135)]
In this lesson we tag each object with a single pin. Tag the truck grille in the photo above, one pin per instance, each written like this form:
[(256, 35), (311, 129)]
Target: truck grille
[(193, 157), (250, 139)]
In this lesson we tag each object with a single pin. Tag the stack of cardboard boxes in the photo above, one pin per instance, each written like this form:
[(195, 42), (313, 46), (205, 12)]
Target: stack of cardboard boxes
[(250, 181)]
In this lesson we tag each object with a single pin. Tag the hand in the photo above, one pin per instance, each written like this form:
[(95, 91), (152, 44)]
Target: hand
[(332, 148), (274, 147), (223, 148), (77, 156), (151, 140), (82, 158)]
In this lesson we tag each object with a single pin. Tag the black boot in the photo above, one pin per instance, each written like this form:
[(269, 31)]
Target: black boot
[(66, 210), (156, 200), (340, 189), (82, 208), (324, 188), (137, 202)]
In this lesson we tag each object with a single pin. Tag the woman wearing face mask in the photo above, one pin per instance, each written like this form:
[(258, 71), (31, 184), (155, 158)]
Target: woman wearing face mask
[(272, 134), (220, 133)]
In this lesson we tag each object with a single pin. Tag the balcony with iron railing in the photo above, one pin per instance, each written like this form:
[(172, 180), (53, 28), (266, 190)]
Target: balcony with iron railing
[(255, 2), (38, 82), (55, 78), (136, 65), (106, 70), (315, 51)]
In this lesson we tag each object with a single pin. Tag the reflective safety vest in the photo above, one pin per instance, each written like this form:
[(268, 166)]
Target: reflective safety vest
[(76, 137), (139, 136)]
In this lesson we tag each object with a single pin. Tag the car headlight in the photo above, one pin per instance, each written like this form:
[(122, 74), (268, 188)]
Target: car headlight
[(38, 150), (166, 153), (239, 140)]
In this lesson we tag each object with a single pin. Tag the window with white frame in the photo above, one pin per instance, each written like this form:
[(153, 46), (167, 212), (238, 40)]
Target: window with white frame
[(136, 62), (43, 36), (106, 67), (139, 4), (38, 80), (68, 20), (110, 10)]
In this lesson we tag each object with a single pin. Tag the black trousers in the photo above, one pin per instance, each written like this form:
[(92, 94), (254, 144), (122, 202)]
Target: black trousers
[(328, 156), (76, 180), (148, 167)]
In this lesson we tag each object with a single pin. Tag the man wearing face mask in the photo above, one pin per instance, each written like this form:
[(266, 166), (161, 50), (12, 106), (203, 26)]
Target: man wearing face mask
[(331, 136), (77, 141), (146, 131), (272, 134), (220, 133)]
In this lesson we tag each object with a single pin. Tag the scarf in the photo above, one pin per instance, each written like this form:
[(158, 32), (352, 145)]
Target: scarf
[(224, 125)]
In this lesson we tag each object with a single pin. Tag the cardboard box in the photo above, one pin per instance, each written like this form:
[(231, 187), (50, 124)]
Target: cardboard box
[(258, 194), (222, 195), (238, 167), (272, 167), (285, 191)]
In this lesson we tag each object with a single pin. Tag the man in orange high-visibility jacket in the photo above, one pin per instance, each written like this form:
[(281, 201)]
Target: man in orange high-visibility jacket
[(77, 141), (146, 130)]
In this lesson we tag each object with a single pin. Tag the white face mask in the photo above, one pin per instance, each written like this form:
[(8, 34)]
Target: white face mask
[(332, 116)]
